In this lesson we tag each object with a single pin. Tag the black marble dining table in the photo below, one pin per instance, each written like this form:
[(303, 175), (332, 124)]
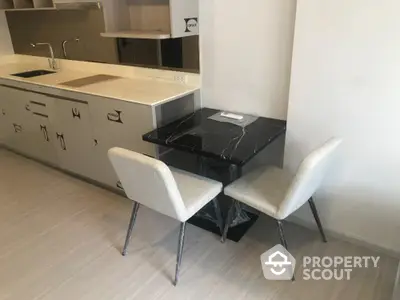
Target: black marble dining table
[(231, 144)]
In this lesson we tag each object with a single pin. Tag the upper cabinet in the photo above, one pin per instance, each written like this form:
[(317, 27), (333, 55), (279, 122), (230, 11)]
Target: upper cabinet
[(49, 4), (74, 1), (150, 19), (140, 19), (26, 4), (76, 4)]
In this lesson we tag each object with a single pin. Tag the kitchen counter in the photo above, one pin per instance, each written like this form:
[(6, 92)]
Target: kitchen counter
[(138, 85), (73, 127)]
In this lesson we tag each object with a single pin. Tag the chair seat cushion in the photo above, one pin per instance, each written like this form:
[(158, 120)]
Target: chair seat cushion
[(263, 189), (196, 191)]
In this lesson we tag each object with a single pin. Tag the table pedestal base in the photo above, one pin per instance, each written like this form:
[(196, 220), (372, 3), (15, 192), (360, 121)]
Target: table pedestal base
[(234, 234), (207, 217)]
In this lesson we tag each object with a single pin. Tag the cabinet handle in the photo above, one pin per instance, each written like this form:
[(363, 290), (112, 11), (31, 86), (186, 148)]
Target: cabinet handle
[(37, 103), (96, 142), (3, 111), (40, 115), (17, 127), (76, 113), (27, 107), (60, 136), (115, 116), (43, 128)]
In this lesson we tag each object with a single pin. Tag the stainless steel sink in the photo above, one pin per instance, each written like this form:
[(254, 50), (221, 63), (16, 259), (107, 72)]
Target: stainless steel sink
[(89, 80), (33, 73)]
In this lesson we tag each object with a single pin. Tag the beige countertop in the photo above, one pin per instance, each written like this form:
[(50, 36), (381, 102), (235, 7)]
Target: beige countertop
[(151, 90)]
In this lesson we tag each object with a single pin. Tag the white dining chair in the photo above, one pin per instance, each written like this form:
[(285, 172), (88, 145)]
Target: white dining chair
[(171, 192), (274, 192)]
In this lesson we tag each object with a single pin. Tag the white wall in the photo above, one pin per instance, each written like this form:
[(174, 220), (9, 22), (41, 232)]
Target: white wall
[(5, 40), (246, 49), (346, 83)]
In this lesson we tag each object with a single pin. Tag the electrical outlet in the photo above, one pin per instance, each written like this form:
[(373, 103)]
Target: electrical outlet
[(180, 78)]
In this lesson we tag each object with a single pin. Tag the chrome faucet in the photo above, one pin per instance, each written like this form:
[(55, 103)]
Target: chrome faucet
[(52, 60), (64, 43)]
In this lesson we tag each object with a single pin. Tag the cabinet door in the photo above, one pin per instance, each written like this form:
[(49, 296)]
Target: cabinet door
[(184, 17), (73, 138), (119, 124), (39, 131), (6, 128), (41, 137), (18, 119)]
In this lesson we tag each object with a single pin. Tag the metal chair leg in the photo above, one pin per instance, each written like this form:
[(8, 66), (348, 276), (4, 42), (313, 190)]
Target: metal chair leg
[(180, 251), (130, 228), (228, 221), (317, 220), (282, 238), (218, 215), (281, 233)]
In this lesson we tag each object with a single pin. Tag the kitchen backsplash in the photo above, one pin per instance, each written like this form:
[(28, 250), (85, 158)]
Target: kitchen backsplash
[(54, 26)]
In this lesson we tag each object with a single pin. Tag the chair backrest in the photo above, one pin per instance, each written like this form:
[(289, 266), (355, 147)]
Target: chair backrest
[(308, 177), (148, 181)]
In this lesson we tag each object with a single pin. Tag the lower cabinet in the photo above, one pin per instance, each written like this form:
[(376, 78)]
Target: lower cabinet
[(5, 120), (119, 124), (39, 132), (17, 120), (42, 140), (73, 137), (71, 134)]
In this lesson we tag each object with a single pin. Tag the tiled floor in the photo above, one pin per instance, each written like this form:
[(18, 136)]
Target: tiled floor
[(61, 239)]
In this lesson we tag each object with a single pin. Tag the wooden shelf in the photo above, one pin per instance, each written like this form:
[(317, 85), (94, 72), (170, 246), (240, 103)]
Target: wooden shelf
[(29, 9), (43, 3), (6, 4), (150, 19), (138, 34), (29, 5), (77, 5), (23, 4)]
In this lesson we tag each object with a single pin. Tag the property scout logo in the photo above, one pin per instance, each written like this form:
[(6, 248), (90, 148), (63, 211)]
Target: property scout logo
[(191, 24), (278, 264)]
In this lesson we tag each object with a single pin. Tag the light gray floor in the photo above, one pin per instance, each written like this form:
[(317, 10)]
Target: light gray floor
[(61, 239)]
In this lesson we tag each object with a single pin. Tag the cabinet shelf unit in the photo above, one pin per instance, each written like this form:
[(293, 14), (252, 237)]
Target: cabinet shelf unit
[(11, 5), (150, 19), (6, 4), (138, 34), (78, 4), (15, 5), (135, 19)]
